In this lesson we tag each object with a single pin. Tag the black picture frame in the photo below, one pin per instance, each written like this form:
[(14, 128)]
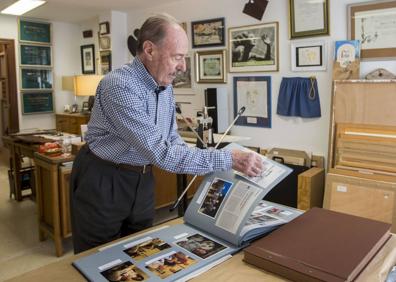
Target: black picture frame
[(245, 86), (208, 33), (104, 28), (88, 59)]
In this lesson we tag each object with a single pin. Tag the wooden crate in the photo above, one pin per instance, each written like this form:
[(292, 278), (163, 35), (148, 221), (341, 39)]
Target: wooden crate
[(310, 188), (371, 196)]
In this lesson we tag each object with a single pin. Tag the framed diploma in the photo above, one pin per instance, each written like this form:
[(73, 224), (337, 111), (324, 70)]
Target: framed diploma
[(309, 56), (373, 23), (308, 18), (210, 66)]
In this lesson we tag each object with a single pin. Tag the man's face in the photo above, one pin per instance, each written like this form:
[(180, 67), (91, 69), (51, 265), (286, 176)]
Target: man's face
[(168, 57)]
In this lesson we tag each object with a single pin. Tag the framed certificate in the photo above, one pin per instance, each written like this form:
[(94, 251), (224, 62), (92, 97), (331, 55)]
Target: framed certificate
[(210, 66), (374, 24), (308, 18)]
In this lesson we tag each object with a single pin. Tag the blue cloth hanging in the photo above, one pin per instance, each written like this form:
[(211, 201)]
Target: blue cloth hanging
[(299, 96)]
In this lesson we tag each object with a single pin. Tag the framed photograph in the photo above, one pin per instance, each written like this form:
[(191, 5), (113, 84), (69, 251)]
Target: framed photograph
[(88, 59), (210, 66), (104, 43), (373, 23), (105, 62), (36, 79), (208, 33), (182, 84), (104, 28), (308, 18), (34, 32), (254, 93), (254, 48), (309, 56), (37, 103), (35, 55)]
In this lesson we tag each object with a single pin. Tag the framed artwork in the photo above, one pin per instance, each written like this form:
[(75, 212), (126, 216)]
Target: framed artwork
[(88, 59), (34, 32), (35, 55), (105, 62), (36, 79), (37, 103), (347, 60), (182, 84), (373, 23), (104, 28), (104, 43), (254, 93), (309, 56), (208, 33), (210, 66), (254, 48), (308, 18)]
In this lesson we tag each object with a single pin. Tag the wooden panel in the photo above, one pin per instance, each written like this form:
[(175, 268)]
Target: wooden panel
[(64, 200), (71, 123), (165, 187), (367, 196), (310, 188)]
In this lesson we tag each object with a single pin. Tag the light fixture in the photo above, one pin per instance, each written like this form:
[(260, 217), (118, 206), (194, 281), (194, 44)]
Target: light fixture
[(22, 6)]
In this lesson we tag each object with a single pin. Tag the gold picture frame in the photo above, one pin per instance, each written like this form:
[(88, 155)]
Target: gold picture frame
[(372, 23), (210, 66)]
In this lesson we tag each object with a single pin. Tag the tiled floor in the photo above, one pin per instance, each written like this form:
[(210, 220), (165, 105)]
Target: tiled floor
[(20, 248)]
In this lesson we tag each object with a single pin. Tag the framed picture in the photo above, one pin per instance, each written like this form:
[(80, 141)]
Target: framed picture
[(104, 28), (373, 23), (35, 55), (254, 48), (36, 79), (88, 59), (210, 66), (347, 59), (254, 93), (182, 84), (308, 18), (34, 32), (37, 103), (104, 43), (105, 62), (309, 56), (208, 33)]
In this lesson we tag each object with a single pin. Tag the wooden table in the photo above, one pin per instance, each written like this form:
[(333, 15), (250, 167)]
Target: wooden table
[(231, 270)]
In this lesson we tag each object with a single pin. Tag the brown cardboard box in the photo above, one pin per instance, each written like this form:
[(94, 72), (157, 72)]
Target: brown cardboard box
[(310, 188), (288, 156)]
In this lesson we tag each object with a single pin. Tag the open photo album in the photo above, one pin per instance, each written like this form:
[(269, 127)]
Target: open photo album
[(225, 214)]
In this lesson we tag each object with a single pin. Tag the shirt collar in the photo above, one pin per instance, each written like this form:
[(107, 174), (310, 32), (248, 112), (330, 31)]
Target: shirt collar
[(148, 80)]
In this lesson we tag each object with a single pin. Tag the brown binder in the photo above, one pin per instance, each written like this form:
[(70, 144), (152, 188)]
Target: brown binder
[(320, 245)]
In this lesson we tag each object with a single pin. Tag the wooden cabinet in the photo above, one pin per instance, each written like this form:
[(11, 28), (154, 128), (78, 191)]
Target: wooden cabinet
[(71, 123)]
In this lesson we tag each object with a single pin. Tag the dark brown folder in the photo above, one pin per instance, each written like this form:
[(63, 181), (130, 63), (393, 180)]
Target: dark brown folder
[(320, 245)]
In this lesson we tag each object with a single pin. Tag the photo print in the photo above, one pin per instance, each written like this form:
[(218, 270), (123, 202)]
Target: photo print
[(125, 271), (215, 195), (200, 245), (146, 249), (169, 264)]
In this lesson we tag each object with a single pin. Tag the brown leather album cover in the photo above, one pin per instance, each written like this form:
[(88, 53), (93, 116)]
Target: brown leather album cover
[(320, 245)]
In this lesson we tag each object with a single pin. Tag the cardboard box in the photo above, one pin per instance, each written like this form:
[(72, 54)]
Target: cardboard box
[(288, 156)]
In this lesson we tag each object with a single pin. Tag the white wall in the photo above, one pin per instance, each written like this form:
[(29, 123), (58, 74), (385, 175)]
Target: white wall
[(310, 135)]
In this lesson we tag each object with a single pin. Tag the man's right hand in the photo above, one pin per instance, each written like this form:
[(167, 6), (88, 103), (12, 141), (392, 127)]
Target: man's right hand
[(248, 163)]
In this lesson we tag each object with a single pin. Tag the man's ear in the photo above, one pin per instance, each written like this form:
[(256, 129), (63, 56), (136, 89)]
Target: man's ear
[(148, 49)]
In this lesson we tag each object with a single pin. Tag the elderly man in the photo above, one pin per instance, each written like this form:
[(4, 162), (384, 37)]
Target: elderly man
[(132, 127)]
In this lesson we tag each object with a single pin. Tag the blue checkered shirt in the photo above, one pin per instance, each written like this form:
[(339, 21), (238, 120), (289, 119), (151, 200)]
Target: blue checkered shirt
[(131, 124)]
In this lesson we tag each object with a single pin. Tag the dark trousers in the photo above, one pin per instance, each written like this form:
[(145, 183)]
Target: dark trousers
[(107, 202)]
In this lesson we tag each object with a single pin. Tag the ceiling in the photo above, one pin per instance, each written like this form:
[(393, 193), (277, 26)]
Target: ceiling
[(76, 11)]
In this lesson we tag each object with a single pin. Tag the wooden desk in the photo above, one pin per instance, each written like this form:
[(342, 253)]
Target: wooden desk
[(231, 270)]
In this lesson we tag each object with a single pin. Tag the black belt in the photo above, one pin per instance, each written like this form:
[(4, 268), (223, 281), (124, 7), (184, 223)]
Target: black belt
[(136, 168)]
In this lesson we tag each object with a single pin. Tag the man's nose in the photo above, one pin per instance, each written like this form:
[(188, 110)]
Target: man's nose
[(182, 66)]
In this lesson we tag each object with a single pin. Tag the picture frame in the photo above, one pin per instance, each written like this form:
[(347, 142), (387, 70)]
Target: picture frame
[(254, 48), (88, 59), (35, 55), (309, 55), (104, 42), (36, 79), (308, 18), (37, 102), (253, 93), (34, 32), (208, 33), (104, 28), (182, 84), (105, 62), (373, 24), (210, 66)]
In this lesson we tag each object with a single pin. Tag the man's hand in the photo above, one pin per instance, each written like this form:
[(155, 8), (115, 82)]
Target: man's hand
[(247, 163)]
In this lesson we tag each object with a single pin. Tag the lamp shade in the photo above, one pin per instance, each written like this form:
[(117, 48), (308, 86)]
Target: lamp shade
[(85, 85)]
